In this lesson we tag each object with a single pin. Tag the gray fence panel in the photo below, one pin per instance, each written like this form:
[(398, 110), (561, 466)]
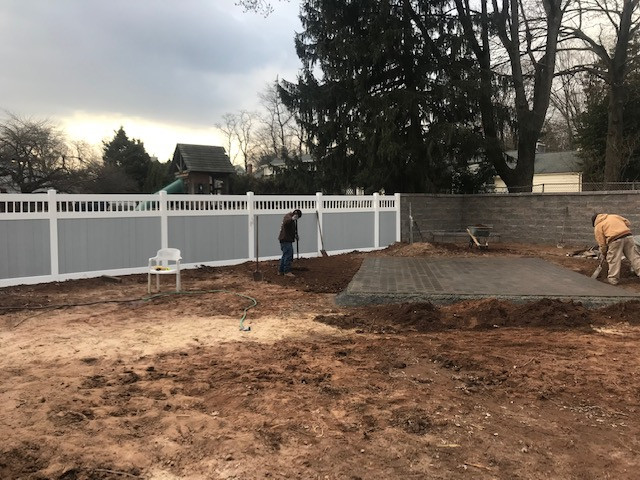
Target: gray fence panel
[(308, 233), (95, 244), (269, 229), (209, 239), (346, 231), (387, 228), (24, 246)]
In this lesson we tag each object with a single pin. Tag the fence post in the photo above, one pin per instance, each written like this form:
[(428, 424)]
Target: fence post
[(52, 210), (164, 219), (320, 225), (410, 225), (376, 220), (398, 219), (251, 225)]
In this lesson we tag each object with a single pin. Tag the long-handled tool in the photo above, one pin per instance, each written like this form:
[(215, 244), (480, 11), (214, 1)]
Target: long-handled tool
[(323, 252), (598, 269), (297, 243), (412, 222), (257, 275)]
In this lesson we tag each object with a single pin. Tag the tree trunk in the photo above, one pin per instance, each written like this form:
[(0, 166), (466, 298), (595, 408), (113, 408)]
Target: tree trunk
[(613, 153), (530, 118), (613, 160), (522, 178)]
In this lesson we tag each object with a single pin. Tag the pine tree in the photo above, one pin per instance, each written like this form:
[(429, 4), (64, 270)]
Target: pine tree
[(390, 103), (129, 156)]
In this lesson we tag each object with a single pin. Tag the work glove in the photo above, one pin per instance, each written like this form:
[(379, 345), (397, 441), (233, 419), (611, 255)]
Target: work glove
[(603, 251), (297, 238)]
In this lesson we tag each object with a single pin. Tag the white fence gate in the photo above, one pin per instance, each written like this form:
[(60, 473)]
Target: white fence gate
[(55, 237)]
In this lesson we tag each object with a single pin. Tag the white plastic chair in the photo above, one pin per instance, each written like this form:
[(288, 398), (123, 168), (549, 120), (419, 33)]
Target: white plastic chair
[(160, 265)]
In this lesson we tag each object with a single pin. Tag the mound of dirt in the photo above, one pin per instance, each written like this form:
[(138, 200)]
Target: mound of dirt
[(393, 318), (480, 314), (623, 312), (551, 314), (418, 249)]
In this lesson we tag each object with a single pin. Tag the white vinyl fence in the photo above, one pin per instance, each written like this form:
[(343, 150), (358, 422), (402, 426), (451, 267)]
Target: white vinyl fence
[(54, 237)]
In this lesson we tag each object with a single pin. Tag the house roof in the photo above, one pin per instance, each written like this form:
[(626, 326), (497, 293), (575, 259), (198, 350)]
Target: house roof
[(201, 158), (279, 162), (554, 162)]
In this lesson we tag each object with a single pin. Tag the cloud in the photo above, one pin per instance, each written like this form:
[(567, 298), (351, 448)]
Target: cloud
[(170, 62), (159, 139)]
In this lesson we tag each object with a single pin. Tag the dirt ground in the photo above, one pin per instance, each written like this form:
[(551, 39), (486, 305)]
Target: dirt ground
[(99, 381)]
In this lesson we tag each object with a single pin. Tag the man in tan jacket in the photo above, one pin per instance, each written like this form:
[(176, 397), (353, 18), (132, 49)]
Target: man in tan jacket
[(614, 239)]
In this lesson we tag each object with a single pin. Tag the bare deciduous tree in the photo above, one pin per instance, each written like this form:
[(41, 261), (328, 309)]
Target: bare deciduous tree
[(529, 37), (278, 135), (34, 154), (239, 130), (230, 130), (246, 134), (263, 7), (567, 95), (608, 28)]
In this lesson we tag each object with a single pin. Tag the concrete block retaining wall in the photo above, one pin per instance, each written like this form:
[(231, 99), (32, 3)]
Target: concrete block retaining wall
[(542, 218)]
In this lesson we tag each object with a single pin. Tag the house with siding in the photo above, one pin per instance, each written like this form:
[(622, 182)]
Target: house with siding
[(276, 165), (204, 169), (553, 172)]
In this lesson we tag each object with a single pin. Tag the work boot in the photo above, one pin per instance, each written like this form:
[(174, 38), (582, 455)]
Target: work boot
[(289, 274)]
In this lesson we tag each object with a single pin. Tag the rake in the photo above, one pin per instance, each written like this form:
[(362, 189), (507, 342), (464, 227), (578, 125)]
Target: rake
[(323, 252)]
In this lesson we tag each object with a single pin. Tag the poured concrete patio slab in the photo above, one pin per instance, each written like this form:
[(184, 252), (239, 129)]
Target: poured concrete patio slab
[(447, 280)]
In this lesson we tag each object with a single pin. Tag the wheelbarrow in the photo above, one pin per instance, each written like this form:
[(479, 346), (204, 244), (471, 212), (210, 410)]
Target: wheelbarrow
[(478, 235)]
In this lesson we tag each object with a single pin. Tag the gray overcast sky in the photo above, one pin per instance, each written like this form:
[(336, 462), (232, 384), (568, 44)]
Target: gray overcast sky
[(167, 70)]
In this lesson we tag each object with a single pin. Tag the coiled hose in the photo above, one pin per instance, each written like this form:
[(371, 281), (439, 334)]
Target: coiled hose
[(146, 298)]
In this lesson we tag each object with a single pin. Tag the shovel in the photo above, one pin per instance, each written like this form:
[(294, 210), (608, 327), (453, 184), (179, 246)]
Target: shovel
[(297, 242), (323, 252), (598, 269), (257, 275)]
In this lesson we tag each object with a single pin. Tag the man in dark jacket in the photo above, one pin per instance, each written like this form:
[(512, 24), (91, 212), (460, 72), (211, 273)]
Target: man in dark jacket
[(288, 234)]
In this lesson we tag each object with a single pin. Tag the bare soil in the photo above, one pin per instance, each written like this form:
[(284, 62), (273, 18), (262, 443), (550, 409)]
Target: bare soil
[(100, 381)]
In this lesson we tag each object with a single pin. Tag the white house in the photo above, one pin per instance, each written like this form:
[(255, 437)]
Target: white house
[(553, 172), (278, 164)]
